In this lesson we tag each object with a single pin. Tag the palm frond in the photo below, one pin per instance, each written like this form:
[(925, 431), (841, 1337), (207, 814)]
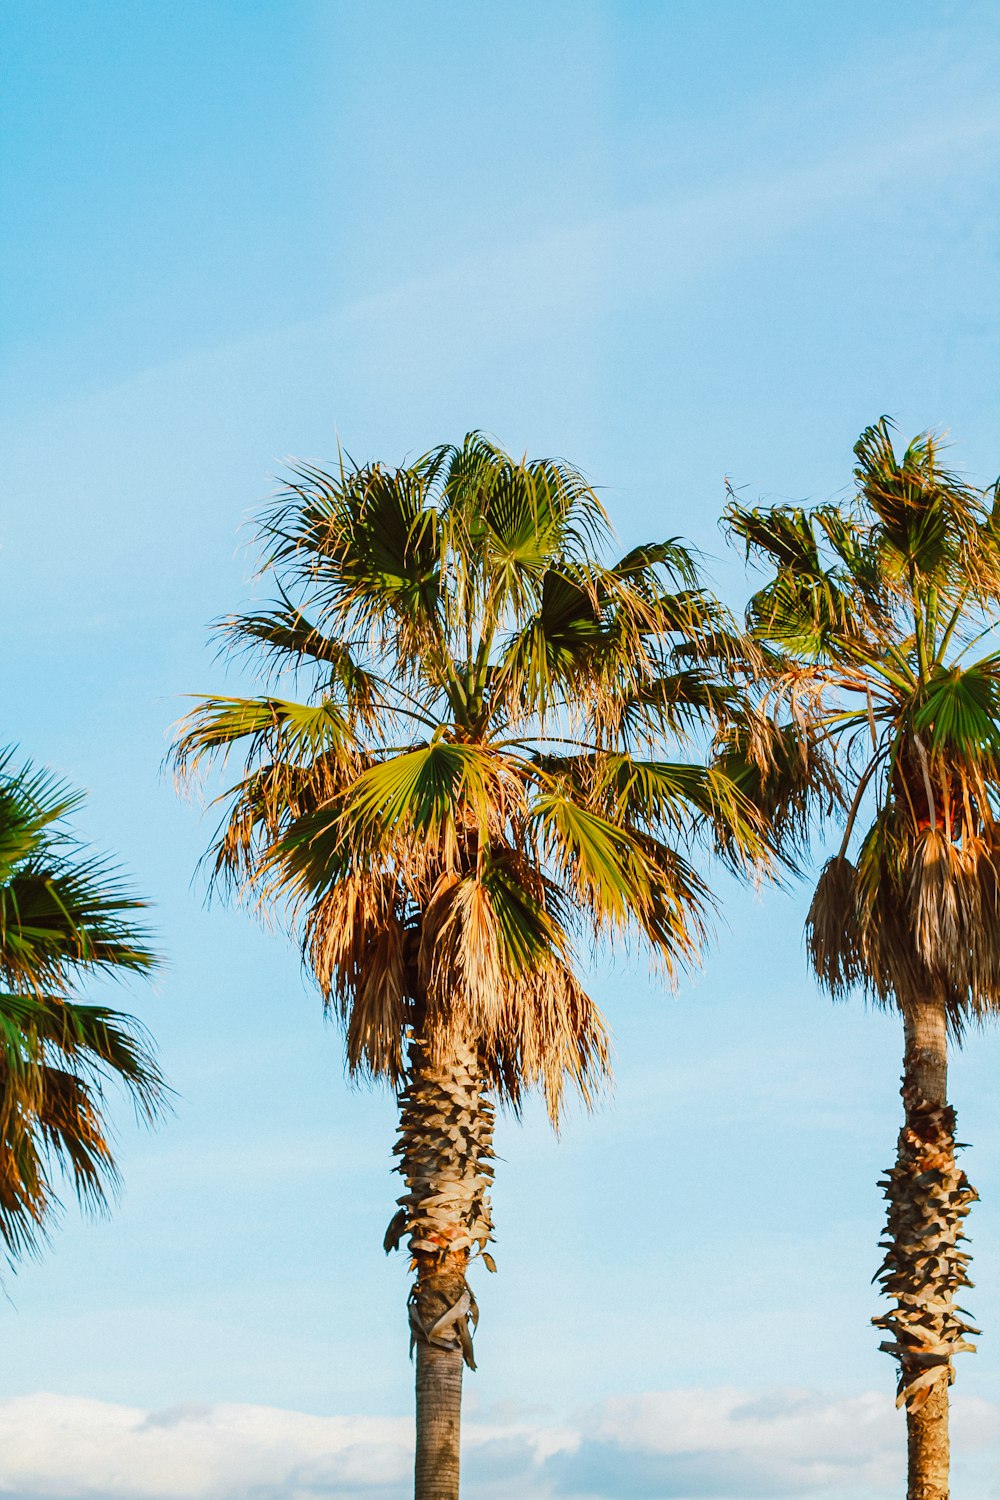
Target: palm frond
[(65, 916), (623, 878)]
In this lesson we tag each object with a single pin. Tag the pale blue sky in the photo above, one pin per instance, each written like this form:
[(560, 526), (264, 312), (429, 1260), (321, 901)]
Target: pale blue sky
[(668, 241)]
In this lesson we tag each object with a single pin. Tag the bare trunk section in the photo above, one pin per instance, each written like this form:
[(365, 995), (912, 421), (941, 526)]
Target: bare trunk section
[(928, 1450), (925, 1056), (439, 1420), (445, 1148), (928, 1197)]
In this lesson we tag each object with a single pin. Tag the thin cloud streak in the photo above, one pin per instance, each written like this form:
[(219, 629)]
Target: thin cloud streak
[(647, 250), (644, 252)]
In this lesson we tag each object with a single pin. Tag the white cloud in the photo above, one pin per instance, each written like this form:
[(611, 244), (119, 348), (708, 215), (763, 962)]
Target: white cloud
[(721, 1444), (70, 1446)]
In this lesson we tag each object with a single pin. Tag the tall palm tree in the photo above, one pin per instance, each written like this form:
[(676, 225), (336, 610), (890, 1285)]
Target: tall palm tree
[(474, 782), (64, 919), (881, 617)]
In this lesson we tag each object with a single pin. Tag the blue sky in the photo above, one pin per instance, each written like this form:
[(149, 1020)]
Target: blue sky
[(671, 242)]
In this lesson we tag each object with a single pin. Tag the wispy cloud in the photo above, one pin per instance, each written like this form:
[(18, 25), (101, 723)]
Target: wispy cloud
[(555, 276), (652, 250), (721, 1444)]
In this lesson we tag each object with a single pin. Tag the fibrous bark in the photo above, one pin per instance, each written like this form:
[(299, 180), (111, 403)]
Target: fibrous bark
[(925, 1267), (928, 1451), (445, 1148)]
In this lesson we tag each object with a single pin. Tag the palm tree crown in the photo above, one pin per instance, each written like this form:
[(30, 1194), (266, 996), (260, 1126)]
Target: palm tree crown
[(475, 767), (877, 612), (64, 918)]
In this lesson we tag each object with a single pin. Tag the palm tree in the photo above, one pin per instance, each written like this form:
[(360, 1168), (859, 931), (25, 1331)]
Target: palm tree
[(473, 783), (64, 919), (881, 619)]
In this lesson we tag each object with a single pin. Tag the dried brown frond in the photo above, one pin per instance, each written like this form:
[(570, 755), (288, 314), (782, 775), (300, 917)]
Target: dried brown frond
[(831, 928), (554, 1033), (955, 906), (355, 942)]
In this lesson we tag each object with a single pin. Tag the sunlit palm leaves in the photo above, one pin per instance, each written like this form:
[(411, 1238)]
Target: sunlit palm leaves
[(482, 754), (64, 917), (884, 615)]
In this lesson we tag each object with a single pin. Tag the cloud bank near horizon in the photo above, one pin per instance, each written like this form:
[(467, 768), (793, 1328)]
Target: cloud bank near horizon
[(719, 1444)]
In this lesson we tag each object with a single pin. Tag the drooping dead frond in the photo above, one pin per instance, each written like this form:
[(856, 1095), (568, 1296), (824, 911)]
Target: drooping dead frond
[(554, 1036), (831, 929), (955, 905), (355, 943)]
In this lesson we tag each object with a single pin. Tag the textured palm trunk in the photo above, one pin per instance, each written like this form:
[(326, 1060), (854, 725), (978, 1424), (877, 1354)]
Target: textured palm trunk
[(924, 1266), (445, 1148), (439, 1422)]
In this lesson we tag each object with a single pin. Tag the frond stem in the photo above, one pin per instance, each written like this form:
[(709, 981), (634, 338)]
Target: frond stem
[(855, 807)]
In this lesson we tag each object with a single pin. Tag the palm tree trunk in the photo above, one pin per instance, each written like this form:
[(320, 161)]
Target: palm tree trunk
[(924, 1268), (439, 1417), (927, 1129), (928, 1447), (445, 1148)]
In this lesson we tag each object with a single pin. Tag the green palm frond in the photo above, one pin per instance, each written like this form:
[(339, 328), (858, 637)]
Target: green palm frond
[(782, 533), (554, 647), (673, 795), (959, 711), (784, 773), (104, 1043), (284, 635), (672, 556), (57, 916), (32, 802), (427, 790), (299, 730), (528, 514), (434, 802), (530, 913), (65, 916), (675, 706), (621, 878)]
